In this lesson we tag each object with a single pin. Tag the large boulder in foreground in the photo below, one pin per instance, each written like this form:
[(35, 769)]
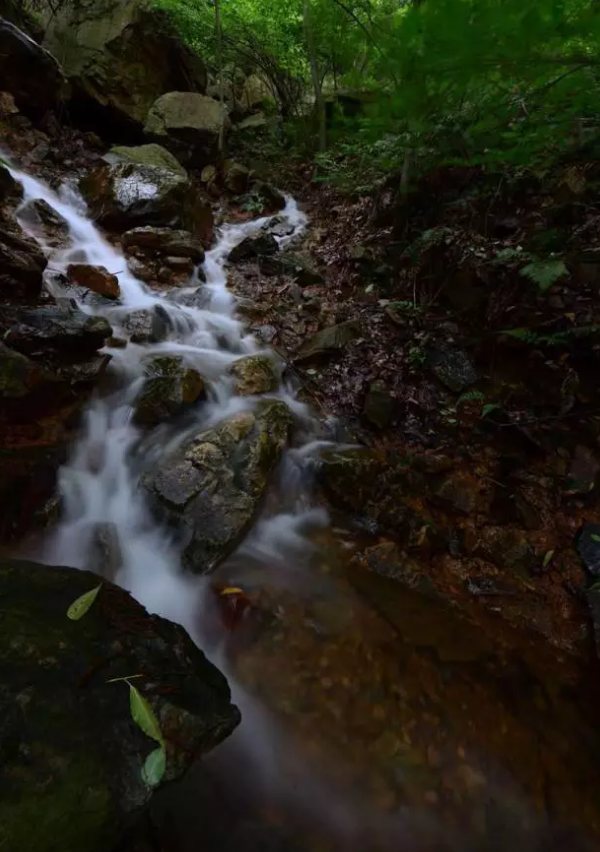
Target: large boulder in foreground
[(212, 486), (31, 75), (123, 195), (119, 57), (71, 754), (188, 124)]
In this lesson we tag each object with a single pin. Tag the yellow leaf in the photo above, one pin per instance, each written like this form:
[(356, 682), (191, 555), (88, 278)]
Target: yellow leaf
[(231, 590), (80, 606)]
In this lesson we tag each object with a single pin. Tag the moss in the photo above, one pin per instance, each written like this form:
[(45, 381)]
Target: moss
[(149, 155)]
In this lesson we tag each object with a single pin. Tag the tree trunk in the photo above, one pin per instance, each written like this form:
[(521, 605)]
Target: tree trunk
[(314, 73)]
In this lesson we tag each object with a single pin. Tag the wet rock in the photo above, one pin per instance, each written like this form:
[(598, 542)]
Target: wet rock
[(147, 155), (106, 554), (458, 492), (252, 247), (123, 195), (169, 389), (95, 278), (583, 472), (22, 263), (328, 341), (271, 198), (28, 72), (165, 241), (387, 560), (147, 325), (253, 122), (119, 59), (507, 548), (379, 405), (60, 329), (46, 223), (292, 264), (188, 124), (63, 720), (485, 586), (212, 486), (253, 375), (236, 177), (588, 547), (453, 368), (21, 378), (11, 191)]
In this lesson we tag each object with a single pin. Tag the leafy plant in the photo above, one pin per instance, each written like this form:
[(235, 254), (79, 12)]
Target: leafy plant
[(545, 273), (253, 203)]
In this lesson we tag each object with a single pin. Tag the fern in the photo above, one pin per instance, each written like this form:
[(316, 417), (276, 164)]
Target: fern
[(545, 273)]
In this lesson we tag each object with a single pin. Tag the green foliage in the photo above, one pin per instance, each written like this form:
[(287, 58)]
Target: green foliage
[(80, 606), (545, 273), (142, 714)]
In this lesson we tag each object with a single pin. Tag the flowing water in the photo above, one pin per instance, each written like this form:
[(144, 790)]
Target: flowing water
[(371, 721)]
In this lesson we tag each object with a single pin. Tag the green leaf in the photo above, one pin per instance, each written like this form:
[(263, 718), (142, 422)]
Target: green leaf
[(154, 767), (595, 537), (547, 558), (487, 409), (545, 272), (143, 715), (469, 396), (80, 606)]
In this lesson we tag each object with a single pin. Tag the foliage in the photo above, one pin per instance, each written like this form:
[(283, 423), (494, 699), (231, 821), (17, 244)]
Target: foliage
[(545, 273), (142, 714), (80, 606)]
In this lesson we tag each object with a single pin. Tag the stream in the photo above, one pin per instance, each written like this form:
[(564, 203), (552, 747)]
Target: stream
[(373, 718)]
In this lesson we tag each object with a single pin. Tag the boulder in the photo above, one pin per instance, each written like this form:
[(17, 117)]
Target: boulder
[(261, 245), (22, 263), (453, 368), (164, 241), (258, 121), (170, 388), (328, 341), (124, 195), (72, 754), (62, 330), (188, 124), (48, 226), (253, 375), (147, 155), (147, 325), (292, 264), (211, 487), (95, 278), (119, 58), (28, 72), (272, 199), (254, 93), (236, 177)]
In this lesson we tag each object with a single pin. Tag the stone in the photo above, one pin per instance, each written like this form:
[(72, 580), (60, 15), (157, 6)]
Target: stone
[(588, 547), (72, 755), (292, 264), (328, 341), (147, 325), (170, 387), (22, 263), (458, 492), (254, 93), (254, 375), (236, 177), (252, 247), (60, 329), (379, 405), (387, 560), (208, 174), (453, 369), (95, 278), (252, 122), (593, 599), (188, 124), (507, 548), (123, 195), (583, 472), (147, 155), (272, 199), (164, 241), (48, 225), (211, 487), (28, 72), (119, 58)]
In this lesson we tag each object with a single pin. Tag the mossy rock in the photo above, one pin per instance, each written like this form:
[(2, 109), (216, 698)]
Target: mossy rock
[(170, 388), (253, 375), (70, 753), (148, 155), (211, 487)]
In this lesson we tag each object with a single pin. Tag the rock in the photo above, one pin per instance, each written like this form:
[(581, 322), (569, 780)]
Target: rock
[(593, 599), (272, 199), (507, 548), (583, 472), (387, 560), (253, 375), (28, 72), (165, 241), (236, 177), (212, 486), (251, 247), (254, 92), (123, 195), (11, 191), (106, 553), (328, 341), (208, 174), (188, 124), (147, 155), (22, 263), (48, 225), (95, 278), (458, 492), (453, 368), (379, 405), (72, 755), (253, 122), (294, 265), (588, 547), (65, 330), (119, 58), (169, 389), (147, 325)]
